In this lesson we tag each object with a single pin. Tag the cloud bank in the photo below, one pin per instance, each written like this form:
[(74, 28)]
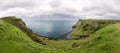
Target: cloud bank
[(87, 9)]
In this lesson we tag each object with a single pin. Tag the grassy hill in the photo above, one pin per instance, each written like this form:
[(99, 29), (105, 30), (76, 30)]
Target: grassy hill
[(84, 28), (21, 25), (104, 36), (13, 40), (18, 23), (105, 40)]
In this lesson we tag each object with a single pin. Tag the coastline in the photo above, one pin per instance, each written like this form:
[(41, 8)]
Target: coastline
[(61, 37), (65, 36)]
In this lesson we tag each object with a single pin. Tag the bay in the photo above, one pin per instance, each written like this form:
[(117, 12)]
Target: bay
[(50, 28)]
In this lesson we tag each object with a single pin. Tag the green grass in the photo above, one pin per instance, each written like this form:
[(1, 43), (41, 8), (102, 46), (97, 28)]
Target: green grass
[(88, 27), (105, 40), (13, 40), (21, 25), (62, 44), (18, 23)]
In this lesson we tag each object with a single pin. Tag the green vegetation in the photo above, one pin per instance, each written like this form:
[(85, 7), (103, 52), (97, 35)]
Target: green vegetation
[(105, 40), (13, 40), (18, 23), (104, 36), (63, 44), (84, 28)]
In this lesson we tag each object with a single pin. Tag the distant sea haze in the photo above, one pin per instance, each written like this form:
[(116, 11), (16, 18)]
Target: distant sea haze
[(50, 28)]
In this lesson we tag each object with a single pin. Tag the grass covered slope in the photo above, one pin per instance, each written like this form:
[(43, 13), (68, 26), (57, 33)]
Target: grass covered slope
[(21, 25), (18, 23), (84, 28), (13, 40), (105, 40)]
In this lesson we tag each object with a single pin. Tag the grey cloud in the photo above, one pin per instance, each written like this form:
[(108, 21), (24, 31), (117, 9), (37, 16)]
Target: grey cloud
[(101, 9), (55, 16), (14, 4), (55, 4)]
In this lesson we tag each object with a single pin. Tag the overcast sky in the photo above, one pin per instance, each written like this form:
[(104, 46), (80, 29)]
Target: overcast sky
[(96, 9)]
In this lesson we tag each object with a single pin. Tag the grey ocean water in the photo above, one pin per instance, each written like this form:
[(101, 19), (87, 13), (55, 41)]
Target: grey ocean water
[(50, 28)]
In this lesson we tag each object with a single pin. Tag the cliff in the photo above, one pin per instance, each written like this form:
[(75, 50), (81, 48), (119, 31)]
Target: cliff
[(20, 24)]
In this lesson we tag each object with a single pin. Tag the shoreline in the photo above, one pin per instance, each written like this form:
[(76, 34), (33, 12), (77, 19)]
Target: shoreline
[(61, 37), (65, 36)]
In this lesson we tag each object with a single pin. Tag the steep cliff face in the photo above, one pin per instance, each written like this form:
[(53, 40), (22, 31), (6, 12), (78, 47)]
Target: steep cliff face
[(84, 28)]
